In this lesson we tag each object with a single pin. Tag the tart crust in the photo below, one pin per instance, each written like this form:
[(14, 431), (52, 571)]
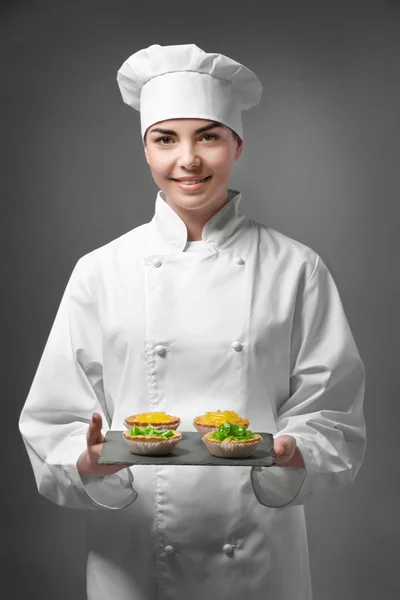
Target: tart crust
[(151, 438), (244, 422), (204, 428), (232, 448), (256, 438), (171, 424), (151, 445)]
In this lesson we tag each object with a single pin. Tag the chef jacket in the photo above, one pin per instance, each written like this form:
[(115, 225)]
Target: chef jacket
[(247, 320)]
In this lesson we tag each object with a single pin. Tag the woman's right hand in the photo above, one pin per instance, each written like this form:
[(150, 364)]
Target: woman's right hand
[(87, 463)]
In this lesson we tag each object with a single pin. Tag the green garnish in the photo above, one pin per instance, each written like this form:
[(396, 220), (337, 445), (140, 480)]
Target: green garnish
[(150, 430), (233, 431)]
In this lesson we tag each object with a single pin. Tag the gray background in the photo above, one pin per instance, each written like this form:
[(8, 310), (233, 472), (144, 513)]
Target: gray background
[(321, 164)]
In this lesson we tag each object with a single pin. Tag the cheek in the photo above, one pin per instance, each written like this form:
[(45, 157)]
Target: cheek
[(220, 162), (160, 165), (219, 154)]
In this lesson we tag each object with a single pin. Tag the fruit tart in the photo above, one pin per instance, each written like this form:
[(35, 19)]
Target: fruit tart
[(231, 441), (210, 421), (161, 420), (151, 441)]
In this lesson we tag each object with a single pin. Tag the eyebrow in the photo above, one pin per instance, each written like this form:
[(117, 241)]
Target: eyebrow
[(172, 132)]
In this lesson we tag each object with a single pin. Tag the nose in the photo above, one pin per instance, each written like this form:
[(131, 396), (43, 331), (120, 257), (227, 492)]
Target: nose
[(188, 158)]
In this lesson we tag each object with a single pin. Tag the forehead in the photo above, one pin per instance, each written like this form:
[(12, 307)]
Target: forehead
[(184, 125)]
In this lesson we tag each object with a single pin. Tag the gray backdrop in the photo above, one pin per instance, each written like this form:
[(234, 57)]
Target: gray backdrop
[(321, 164)]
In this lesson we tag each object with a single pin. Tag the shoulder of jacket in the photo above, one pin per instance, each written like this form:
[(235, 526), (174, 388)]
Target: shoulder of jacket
[(132, 240), (300, 252), (90, 267)]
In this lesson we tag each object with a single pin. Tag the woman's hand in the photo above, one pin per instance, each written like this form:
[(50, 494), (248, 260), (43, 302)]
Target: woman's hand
[(87, 462), (287, 452)]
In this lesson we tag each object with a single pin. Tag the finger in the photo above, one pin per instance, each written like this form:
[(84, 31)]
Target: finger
[(281, 458), (279, 448), (94, 435), (96, 418), (287, 443)]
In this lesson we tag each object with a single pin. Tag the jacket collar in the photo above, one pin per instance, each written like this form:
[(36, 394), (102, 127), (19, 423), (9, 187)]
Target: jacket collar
[(169, 233)]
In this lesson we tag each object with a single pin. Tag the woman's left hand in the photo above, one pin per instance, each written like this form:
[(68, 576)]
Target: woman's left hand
[(287, 452)]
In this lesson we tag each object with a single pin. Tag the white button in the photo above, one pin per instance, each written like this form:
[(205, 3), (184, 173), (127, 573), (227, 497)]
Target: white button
[(169, 550), (160, 349), (227, 548), (237, 346), (157, 262), (239, 261)]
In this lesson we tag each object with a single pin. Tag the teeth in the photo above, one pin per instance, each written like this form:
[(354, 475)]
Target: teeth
[(193, 181)]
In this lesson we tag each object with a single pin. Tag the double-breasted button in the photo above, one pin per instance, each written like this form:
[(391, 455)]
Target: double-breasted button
[(237, 346), (227, 548), (160, 350), (239, 260), (169, 550), (157, 262)]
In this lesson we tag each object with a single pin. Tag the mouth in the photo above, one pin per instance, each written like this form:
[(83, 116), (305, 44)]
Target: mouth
[(192, 181), (193, 185)]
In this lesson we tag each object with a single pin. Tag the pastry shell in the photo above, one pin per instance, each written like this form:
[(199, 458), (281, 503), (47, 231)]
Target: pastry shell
[(151, 445), (163, 425), (232, 449), (203, 428)]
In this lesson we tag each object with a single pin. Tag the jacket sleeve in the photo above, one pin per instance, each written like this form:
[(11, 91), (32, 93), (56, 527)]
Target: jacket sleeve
[(66, 390), (324, 411)]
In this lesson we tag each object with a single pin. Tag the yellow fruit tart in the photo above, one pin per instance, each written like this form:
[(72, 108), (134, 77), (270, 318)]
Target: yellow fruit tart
[(210, 421), (156, 419), (151, 441), (231, 441)]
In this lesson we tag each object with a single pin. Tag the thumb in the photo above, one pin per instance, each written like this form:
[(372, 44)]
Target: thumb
[(279, 448), (94, 434)]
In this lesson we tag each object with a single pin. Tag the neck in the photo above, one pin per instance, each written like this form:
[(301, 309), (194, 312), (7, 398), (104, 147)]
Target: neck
[(195, 219)]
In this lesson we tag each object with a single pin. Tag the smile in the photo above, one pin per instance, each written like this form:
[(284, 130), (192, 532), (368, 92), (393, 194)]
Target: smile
[(195, 185), (192, 181)]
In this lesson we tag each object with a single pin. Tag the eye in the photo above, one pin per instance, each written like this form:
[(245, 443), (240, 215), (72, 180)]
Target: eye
[(210, 137), (163, 141)]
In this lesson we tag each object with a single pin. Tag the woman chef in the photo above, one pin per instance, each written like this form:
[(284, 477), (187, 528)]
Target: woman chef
[(200, 309)]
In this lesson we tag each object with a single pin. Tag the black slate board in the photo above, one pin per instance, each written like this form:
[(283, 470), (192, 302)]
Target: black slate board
[(189, 451)]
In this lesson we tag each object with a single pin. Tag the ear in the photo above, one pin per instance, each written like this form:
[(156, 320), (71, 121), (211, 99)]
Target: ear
[(239, 149), (146, 154)]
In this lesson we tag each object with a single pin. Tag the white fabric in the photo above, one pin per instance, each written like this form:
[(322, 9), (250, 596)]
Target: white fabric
[(298, 373), (183, 81), (197, 246)]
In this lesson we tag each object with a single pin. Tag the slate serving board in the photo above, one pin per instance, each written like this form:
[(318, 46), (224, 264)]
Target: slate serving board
[(189, 451)]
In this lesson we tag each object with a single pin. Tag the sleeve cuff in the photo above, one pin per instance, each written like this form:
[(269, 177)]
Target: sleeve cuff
[(110, 492), (278, 487)]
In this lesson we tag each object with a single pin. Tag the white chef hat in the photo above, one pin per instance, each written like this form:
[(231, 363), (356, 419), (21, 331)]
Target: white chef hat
[(175, 82)]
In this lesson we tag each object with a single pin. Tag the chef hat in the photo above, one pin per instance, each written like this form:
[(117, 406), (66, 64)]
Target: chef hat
[(175, 82)]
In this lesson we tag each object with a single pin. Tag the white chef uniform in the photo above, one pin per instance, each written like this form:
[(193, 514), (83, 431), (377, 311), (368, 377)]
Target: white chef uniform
[(251, 321)]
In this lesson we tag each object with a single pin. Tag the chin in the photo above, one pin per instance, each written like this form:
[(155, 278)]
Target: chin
[(181, 196), (189, 201)]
